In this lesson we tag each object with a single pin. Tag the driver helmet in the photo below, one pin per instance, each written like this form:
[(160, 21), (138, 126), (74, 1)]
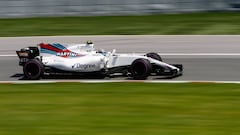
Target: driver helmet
[(89, 42)]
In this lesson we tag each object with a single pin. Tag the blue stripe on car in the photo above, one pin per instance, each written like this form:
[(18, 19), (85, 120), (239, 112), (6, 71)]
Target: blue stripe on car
[(48, 51), (59, 46)]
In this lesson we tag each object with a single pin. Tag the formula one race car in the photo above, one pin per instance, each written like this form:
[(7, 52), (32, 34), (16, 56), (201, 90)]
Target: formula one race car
[(83, 60)]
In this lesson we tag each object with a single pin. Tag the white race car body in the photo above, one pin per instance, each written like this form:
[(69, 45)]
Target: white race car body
[(83, 58)]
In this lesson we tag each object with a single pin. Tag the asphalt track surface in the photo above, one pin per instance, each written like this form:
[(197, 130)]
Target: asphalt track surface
[(205, 58)]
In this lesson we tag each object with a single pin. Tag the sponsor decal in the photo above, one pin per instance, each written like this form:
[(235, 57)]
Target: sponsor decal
[(22, 60), (84, 66), (67, 54), (58, 50), (22, 54)]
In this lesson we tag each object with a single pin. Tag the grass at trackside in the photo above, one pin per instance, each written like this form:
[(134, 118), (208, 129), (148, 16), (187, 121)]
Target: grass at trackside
[(193, 23), (119, 109)]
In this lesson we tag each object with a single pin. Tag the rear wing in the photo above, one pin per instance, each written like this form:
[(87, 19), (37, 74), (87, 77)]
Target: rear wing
[(27, 53)]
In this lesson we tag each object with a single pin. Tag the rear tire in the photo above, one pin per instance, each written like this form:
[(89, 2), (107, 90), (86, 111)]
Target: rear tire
[(154, 56), (141, 69), (33, 69)]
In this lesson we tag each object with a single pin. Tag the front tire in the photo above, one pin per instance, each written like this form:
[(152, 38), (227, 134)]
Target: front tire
[(141, 69), (33, 69)]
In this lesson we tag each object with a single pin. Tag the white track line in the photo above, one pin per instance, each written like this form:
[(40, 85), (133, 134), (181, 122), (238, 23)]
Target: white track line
[(8, 55)]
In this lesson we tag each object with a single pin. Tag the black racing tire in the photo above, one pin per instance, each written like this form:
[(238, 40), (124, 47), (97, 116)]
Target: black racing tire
[(33, 70), (140, 69), (154, 56)]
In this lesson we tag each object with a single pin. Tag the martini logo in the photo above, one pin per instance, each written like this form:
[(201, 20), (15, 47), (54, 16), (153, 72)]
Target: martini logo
[(67, 54)]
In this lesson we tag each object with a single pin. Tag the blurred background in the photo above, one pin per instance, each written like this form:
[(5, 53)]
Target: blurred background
[(124, 108), (34, 8)]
